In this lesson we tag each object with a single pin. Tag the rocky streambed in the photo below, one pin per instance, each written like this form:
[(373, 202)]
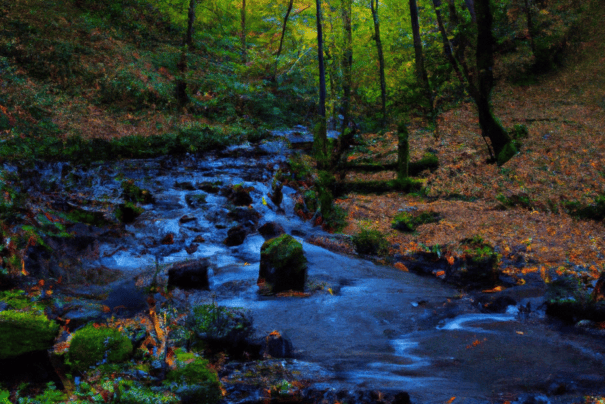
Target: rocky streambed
[(362, 333)]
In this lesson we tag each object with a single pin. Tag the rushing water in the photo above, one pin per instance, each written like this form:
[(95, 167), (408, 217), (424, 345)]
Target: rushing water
[(364, 326)]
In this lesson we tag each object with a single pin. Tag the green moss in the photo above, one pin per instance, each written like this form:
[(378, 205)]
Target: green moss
[(201, 383), (284, 251), (130, 392), (91, 345), (22, 332), (479, 250), (507, 153), (377, 187), (407, 222), (594, 211), (49, 396), (128, 212), (371, 242), (132, 193), (88, 217)]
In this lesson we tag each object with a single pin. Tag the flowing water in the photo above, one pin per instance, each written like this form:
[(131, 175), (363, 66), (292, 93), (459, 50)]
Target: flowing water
[(364, 326)]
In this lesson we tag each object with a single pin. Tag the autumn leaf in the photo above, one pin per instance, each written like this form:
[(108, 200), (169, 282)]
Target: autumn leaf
[(450, 400), (401, 267)]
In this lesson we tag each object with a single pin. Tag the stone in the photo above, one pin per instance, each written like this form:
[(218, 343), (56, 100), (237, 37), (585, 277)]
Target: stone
[(598, 293), (195, 200), (192, 248), (23, 332), (238, 195), (210, 187), (168, 239), (275, 345), (199, 239), (277, 196), (495, 304), (271, 230), (185, 186), (189, 275), (236, 235), (186, 219), (283, 265), (245, 216)]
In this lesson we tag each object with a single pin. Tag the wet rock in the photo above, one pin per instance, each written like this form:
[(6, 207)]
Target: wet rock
[(192, 248), (84, 312), (283, 266), (128, 212), (185, 186), (494, 304), (275, 345), (210, 187), (238, 195), (568, 298), (3, 306), (189, 275), (236, 235), (277, 196), (32, 367), (199, 239), (195, 200), (271, 230), (126, 299), (168, 239), (598, 293), (223, 328), (313, 395), (245, 216), (186, 219)]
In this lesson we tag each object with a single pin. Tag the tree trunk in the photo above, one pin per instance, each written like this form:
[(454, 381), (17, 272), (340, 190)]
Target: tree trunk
[(347, 64), (321, 142), (501, 142), (447, 46), (383, 83), (421, 74), (403, 152), (181, 84), (530, 26), (244, 46), (281, 39)]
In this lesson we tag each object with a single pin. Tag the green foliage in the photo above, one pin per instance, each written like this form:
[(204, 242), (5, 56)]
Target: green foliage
[(4, 395), (22, 332), (91, 345), (336, 219), (594, 211), (371, 242), (479, 250), (130, 392), (50, 396), (300, 167), (202, 382), (408, 222)]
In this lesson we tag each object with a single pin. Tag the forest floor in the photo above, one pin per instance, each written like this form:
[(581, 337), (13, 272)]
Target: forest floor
[(522, 203)]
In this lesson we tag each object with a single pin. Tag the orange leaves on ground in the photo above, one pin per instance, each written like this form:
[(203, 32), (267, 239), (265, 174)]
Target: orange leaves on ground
[(106, 309), (439, 273), (292, 293), (401, 267), (475, 343), (170, 357), (275, 333), (494, 290), (450, 260), (451, 400)]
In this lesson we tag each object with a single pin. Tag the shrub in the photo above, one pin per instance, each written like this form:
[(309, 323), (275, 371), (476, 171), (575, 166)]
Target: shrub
[(228, 326), (594, 211), (91, 345), (130, 393), (201, 383), (22, 332), (370, 242)]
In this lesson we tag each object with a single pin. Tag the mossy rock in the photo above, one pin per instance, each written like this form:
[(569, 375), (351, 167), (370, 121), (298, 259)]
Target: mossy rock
[(130, 392), (22, 332), (568, 298), (479, 266), (407, 222), (371, 242), (132, 193), (91, 345), (197, 381), (221, 327), (128, 212), (283, 265)]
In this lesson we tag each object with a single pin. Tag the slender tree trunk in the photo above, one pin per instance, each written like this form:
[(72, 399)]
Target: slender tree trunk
[(530, 25), (181, 84), (403, 152), (321, 135), (281, 39), (500, 139), (383, 83), (347, 64), (244, 46), (447, 46), (421, 74)]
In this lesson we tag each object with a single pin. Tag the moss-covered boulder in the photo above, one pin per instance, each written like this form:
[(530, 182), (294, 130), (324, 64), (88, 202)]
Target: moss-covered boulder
[(569, 298), (283, 265), (22, 332), (196, 382), (371, 242), (221, 328), (92, 345)]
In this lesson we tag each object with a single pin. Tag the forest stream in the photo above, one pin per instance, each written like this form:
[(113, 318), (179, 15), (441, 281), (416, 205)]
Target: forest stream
[(363, 326)]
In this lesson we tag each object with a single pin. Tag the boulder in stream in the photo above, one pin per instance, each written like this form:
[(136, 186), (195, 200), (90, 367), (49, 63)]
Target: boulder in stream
[(236, 235), (189, 275), (275, 345), (238, 195), (283, 265)]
